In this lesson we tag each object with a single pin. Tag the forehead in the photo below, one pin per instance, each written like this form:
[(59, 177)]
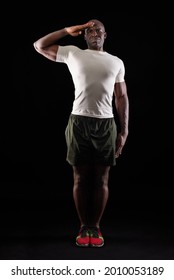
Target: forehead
[(97, 25)]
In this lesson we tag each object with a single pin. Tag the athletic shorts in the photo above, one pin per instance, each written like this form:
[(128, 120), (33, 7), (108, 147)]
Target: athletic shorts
[(90, 140)]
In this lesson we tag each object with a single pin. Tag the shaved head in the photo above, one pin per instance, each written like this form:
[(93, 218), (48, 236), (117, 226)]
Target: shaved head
[(97, 22)]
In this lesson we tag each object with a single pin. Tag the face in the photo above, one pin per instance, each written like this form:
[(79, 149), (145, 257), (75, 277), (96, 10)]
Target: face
[(95, 35)]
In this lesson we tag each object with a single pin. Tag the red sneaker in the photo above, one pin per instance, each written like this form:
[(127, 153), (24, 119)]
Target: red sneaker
[(95, 237), (83, 237)]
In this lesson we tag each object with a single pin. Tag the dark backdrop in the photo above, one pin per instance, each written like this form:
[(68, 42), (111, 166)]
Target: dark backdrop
[(38, 217), (33, 151)]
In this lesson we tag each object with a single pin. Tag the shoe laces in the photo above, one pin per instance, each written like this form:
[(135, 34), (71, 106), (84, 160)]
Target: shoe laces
[(84, 231), (94, 231)]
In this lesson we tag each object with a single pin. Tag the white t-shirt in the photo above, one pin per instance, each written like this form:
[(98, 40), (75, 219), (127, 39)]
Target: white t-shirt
[(94, 74)]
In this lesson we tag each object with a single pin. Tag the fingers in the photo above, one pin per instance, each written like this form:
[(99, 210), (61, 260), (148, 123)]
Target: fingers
[(90, 23), (78, 29), (118, 153), (86, 25)]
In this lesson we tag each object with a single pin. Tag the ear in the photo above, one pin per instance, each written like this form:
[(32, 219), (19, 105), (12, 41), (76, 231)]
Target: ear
[(84, 36), (105, 35)]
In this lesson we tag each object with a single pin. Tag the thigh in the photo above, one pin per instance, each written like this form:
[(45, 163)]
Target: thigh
[(101, 174), (78, 141), (104, 142)]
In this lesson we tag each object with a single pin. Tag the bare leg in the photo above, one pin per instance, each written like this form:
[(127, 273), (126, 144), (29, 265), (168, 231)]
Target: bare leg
[(100, 193), (80, 191), (89, 235)]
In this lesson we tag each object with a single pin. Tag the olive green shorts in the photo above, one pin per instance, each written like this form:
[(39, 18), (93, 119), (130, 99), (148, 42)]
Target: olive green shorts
[(90, 140)]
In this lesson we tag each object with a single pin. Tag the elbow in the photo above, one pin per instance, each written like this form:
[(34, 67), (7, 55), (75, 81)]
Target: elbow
[(35, 46)]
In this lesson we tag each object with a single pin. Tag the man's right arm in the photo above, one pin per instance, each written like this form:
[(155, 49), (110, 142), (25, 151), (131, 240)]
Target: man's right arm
[(47, 45)]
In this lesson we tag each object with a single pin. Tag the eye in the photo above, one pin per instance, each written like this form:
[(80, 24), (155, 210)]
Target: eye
[(89, 31), (97, 30)]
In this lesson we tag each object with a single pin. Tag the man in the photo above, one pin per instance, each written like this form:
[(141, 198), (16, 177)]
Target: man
[(93, 140)]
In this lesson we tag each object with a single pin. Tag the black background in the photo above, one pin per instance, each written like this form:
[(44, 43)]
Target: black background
[(34, 172), (33, 145)]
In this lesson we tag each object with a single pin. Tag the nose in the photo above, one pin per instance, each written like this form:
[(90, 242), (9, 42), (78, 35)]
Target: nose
[(94, 32)]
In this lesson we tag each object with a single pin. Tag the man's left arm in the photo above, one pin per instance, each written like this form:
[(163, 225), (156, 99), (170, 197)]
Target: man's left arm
[(122, 108)]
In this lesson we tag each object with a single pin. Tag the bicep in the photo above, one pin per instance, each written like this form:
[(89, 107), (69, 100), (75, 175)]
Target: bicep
[(48, 52)]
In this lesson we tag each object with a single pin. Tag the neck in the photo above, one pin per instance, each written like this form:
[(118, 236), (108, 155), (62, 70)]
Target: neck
[(96, 49)]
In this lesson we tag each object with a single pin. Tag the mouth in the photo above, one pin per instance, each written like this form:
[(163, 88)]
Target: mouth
[(95, 40)]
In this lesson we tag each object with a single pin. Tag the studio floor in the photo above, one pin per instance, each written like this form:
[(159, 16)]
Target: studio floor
[(46, 230)]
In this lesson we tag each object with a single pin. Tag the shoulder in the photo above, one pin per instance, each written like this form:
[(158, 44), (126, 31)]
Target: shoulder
[(65, 52), (68, 48), (116, 58)]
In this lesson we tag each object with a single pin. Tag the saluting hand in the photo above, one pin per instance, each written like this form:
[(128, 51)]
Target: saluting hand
[(77, 29)]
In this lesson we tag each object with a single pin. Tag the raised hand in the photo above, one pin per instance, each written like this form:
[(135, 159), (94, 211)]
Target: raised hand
[(77, 29)]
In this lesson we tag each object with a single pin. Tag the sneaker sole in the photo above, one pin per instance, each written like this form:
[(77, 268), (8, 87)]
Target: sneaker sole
[(96, 246), (82, 245)]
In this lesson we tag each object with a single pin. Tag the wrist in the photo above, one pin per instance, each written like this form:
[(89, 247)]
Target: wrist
[(66, 31)]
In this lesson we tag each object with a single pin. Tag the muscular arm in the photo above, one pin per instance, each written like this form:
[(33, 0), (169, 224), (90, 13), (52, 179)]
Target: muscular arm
[(48, 46), (122, 107)]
